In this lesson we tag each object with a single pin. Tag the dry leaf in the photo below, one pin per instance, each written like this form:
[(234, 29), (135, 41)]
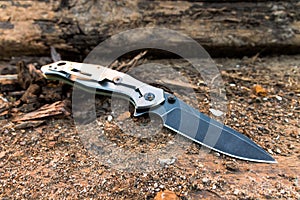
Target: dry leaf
[(259, 90)]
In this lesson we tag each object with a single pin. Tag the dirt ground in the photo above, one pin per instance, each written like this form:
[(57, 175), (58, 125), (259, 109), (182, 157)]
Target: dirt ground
[(52, 160)]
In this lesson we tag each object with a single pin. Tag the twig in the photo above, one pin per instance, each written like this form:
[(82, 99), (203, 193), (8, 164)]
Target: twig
[(124, 67), (54, 55), (234, 76), (8, 77), (178, 83)]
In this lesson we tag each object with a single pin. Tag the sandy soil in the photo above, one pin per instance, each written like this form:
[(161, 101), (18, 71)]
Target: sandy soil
[(54, 160)]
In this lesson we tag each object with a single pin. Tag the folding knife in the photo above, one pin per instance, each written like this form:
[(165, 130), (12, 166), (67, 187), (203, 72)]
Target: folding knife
[(175, 114)]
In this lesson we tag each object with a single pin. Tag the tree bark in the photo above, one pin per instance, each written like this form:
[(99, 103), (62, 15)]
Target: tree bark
[(224, 28)]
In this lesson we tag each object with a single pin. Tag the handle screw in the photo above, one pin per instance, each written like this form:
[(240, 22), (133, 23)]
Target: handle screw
[(171, 98), (149, 96)]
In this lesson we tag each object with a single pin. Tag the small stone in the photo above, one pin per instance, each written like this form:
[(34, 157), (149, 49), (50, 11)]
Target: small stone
[(22, 143), (279, 98), (205, 180), (217, 154), (155, 185), (214, 187), (260, 128), (124, 116), (236, 192), (51, 144), (217, 113), (200, 165), (270, 151), (278, 151), (109, 118), (169, 161)]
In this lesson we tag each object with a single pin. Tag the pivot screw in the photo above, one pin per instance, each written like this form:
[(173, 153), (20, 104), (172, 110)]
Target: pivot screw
[(171, 98), (117, 79), (149, 96)]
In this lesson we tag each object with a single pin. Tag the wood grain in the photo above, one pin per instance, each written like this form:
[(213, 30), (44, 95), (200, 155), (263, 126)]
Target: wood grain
[(224, 28)]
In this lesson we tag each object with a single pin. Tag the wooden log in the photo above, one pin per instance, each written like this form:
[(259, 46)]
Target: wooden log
[(226, 28)]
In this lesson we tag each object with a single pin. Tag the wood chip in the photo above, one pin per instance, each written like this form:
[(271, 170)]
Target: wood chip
[(124, 116), (29, 124), (178, 83), (4, 106), (2, 154), (166, 195), (8, 77), (232, 166), (48, 110), (54, 55)]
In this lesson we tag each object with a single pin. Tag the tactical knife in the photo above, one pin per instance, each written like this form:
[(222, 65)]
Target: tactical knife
[(175, 114)]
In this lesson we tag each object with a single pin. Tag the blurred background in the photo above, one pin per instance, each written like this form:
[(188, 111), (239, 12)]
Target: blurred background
[(74, 27)]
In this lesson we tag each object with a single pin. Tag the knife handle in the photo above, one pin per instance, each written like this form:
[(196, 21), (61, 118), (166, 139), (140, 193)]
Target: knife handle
[(142, 95)]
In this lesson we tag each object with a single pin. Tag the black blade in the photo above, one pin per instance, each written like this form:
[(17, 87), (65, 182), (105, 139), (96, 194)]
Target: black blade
[(206, 131)]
